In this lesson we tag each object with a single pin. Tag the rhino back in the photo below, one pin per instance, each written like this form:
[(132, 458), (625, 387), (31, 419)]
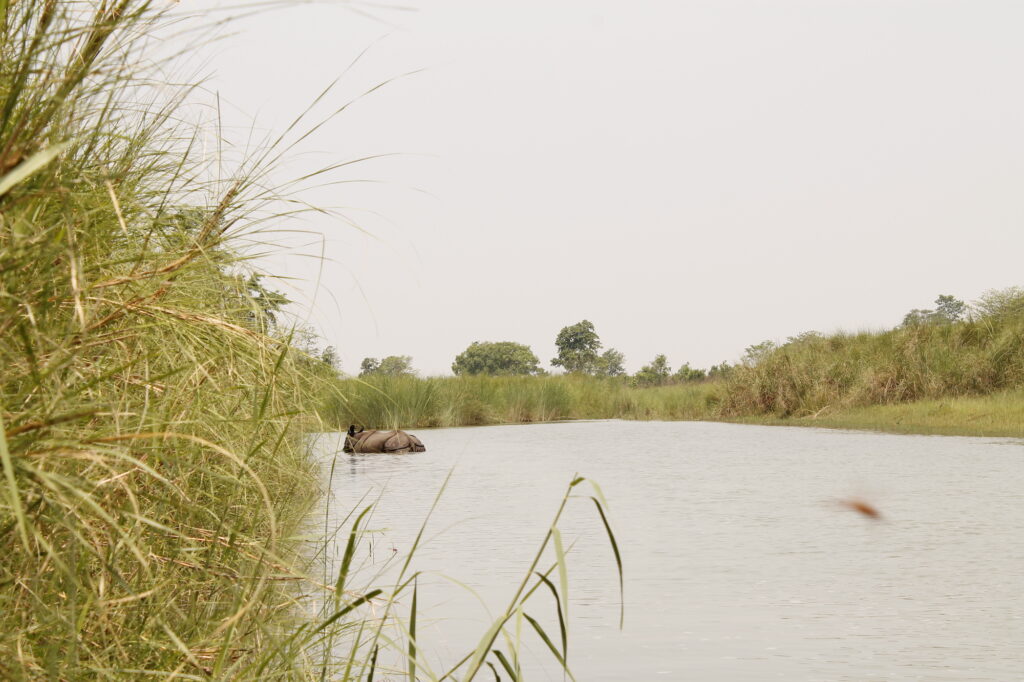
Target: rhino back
[(394, 442), (375, 442)]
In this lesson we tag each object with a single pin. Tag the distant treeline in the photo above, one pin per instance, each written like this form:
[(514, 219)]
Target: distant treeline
[(579, 353)]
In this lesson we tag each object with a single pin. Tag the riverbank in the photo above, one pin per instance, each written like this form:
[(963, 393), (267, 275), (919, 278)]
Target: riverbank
[(410, 402), (999, 414)]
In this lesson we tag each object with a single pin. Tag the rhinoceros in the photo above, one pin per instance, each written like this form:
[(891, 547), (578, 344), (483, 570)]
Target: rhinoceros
[(391, 442)]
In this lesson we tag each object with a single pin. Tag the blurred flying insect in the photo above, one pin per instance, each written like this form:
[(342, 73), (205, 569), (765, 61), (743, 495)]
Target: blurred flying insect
[(861, 506)]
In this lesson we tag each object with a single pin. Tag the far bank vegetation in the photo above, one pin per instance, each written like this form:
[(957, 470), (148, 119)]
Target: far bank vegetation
[(953, 351)]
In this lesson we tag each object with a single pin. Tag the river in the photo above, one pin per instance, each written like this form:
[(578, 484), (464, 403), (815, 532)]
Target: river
[(740, 561)]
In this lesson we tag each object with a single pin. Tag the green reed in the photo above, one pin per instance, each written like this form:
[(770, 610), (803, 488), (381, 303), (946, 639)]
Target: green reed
[(408, 402)]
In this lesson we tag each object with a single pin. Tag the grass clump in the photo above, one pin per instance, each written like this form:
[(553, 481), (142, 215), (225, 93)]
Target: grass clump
[(151, 422)]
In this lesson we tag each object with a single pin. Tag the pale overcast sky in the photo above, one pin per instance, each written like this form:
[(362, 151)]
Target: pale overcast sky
[(692, 177)]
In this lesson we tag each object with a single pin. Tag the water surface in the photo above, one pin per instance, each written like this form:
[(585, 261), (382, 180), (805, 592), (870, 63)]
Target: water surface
[(740, 564)]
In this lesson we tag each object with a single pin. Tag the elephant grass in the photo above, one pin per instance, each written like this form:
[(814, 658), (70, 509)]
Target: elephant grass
[(155, 475), (817, 377), (411, 402)]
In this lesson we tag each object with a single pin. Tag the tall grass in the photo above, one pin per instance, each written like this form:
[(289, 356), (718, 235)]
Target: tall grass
[(407, 402), (815, 376), (150, 429), (156, 481)]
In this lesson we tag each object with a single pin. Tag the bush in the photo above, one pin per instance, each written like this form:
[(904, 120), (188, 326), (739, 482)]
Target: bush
[(496, 358)]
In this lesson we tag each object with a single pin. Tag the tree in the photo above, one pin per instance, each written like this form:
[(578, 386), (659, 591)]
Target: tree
[(947, 309), (918, 316), (329, 356), (1001, 302), (304, 338), (721, 371), (687, 373), (496, 357), (610, 364), (758, 352), (805, 337), (369, 366), (950, 309), (577, 348), (396, 365), (657, 373), (392, 365)]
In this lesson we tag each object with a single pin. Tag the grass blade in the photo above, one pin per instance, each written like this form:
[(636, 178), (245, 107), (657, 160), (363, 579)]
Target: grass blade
[(412, 633), (30, 166), (373, 664), (339, 614), (13, 493), (563, 582), (350, 550), (483, 647), (551, 645), (506, 665), (558, 609), (618, 561)]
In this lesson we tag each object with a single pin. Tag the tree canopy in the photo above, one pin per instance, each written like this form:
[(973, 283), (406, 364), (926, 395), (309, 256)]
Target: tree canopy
[(610, 364), (392, 365), (656, 373), (687, 373), (329, 356), (577, 348), (496, 358), (811, 336), (1001, 302), (757, 352), (947, 309), (952, 309), (720, 371)]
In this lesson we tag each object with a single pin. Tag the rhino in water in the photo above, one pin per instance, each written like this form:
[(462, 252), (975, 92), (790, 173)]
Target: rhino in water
[(391, 442)]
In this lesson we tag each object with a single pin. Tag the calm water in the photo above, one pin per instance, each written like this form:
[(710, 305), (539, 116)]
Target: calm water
[(740, 564)]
